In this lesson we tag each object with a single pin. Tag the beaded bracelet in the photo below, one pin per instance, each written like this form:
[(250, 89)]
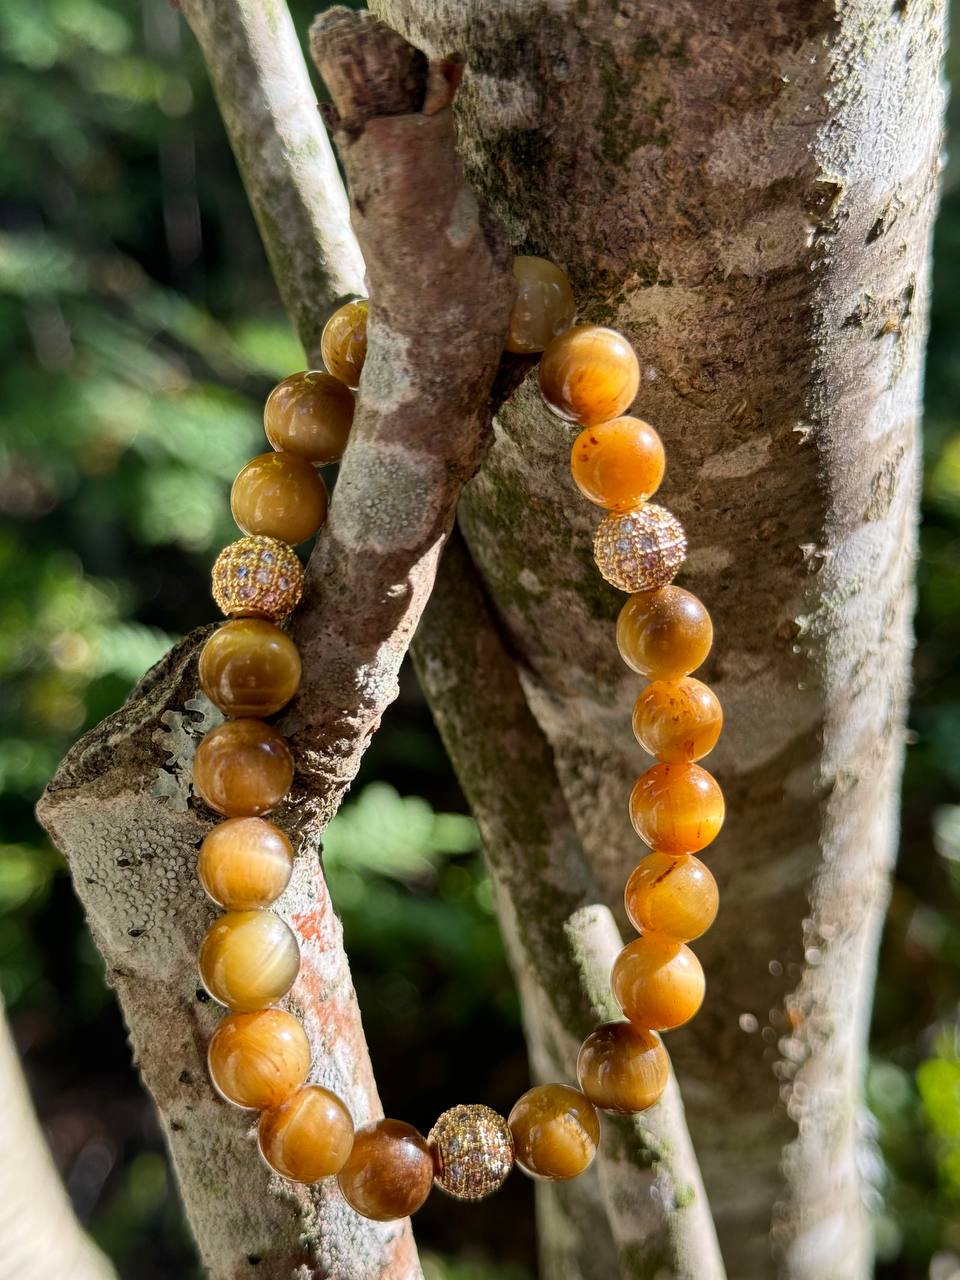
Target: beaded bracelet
[(259, 1056)]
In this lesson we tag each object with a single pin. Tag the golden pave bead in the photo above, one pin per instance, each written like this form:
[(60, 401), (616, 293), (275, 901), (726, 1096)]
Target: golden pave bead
[(473, 1151), (257, 578), (640, 550), (555, 1132)]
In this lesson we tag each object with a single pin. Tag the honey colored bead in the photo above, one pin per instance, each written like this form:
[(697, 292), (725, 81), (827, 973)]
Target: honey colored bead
[(640, 550), (308, 1137), (658, 982), (618, 464), (472, 1151), (622, 1068), (243, 768), (309, 414), (245, 863), (674, 896), (664, 634), (343, 343), (258, 1059), (555, 1132), (279, 495), (248, 960), (589, 374), (543, 306), (249, 667), (676, 808), (677, 721), (389, 1173), (257, 578)]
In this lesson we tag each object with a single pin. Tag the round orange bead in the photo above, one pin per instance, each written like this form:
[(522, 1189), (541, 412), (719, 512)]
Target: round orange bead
[(245, 863), (543, 307), (343, 343), (308, 1137), (248, 960), (618, 464), (676, 808), (555, 1132), (658, 982), (309, 414), (279, 495), (664, 634), (677, 897), (677, 721), (622, 1068), (258, 1059), (249, 667), (389, 1173), (243, 768), (589, 374)]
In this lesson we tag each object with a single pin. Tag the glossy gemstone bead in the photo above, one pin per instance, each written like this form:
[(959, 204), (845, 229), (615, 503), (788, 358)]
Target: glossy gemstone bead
[(245, 863), (622, 1068), (555, 1132), (343, 343), (677, 720), (472, 1151), (243, 768), (308, 1137), (589, 374), (676, 808), (249, 667), (248, 960), (664, 634), (543, 306), (640, 550), (658, 982), (389, 1173), (258, 1059), (309, 414), (279, 495), (677, 897), (257, 578), (618, 464)]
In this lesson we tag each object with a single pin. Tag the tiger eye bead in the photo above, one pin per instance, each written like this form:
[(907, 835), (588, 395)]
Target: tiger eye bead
[(248, 960), (677, 897), (676, 808), (309, 414), (308, 1137), (343, 343), (658, 982), (258, 1059), (664, 634), (279, 495), (622, 1068), (543, 306), (555, 1132), (618, 464), (589, 374), (640, 550), (257, 578), (243, 768), (245, 863), (472, 1151), (389, 1173), (677, 721), (249, 667)]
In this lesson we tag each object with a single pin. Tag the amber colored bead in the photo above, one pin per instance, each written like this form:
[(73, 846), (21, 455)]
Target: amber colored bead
[(308, 1137), (472, 1151), (555, 1131), (676, 808), (243, 768), (658, 982), (389, 1173), (248, 959), (245, 863), (640, 550), (543, 306), (279, 495), (622, 1068), (589, 374), (310, 414), (249, 667), (677, 897), (664, 634), (343, 343), (677, 721), (618, 464), (257, 578), (258, 1059)]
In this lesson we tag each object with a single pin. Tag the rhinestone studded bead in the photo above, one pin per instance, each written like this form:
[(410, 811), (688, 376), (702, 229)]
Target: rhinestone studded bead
[(640, 550), (257, 578), (473, 1151)]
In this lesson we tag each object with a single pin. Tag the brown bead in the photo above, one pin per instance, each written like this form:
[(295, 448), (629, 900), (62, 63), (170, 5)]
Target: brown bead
[(664, 634), (245, 863), (677, 897), (543, 306), (343, 343), (622, 1068), (279, 495), (473, 1151), (389, 1173), (618, 464), (308, 1137), (258, 1059), (257, 578), (640, 550), (677, 721), (555, 1132), (248, 960), (243, 768), (658, 982), (589, 374), (676, 808), (310, 414), (249, 667)]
